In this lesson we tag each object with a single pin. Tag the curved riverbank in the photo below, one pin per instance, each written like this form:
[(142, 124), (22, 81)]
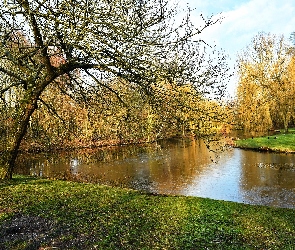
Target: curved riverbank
[(40, 214), (282, 143)]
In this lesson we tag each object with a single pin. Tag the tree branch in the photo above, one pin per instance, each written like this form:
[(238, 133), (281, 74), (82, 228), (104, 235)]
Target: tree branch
[(11, 74), (51, 110), (37, 36), (107, 87)]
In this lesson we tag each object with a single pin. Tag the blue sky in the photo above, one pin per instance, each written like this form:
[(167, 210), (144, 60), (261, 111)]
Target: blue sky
[(242, 20)]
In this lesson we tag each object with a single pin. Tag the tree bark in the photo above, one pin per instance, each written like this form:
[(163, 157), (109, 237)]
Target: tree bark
[(286, 123), (21, 130)]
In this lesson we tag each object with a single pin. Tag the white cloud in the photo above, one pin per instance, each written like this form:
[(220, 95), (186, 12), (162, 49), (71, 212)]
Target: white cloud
[(243, 20), (243, 23)]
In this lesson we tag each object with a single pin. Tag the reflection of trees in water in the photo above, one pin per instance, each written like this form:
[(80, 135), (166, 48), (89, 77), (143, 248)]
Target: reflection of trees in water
[(183, 161), (67, 160), (268, 179), (165, 165), (267, 170), (171, 166)]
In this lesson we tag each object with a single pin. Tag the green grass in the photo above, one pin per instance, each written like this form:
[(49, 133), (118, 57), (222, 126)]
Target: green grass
[(290, 131), (89, 216), (280, 143)]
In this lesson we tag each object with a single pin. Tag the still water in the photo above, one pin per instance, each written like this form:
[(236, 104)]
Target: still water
[(178, 167)]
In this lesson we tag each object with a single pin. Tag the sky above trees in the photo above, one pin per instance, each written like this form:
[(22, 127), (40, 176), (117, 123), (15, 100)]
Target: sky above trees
[(242, 20)]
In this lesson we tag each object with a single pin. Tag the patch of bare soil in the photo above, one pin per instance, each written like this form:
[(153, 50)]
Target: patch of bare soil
[(36, 233)]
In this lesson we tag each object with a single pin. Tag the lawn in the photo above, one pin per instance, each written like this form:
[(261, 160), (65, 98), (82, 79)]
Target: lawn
[(280, 143), (54, 214)]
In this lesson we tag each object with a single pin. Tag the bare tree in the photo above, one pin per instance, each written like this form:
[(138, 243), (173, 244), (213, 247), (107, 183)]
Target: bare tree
[(75, 44)]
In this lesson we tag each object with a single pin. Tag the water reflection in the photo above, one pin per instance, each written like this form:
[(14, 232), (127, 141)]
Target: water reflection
[(184, 167)]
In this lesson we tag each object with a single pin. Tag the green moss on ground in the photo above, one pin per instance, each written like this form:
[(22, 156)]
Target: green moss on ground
[(279, 143), (36, 213)]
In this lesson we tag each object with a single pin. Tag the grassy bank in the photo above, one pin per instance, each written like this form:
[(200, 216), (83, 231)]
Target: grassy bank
[(46, 214), (279, 143)]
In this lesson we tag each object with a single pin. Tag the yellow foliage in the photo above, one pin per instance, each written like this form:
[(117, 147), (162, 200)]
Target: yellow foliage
[(266, 84)]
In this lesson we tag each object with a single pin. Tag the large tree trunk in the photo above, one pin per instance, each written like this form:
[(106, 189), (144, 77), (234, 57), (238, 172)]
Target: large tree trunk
[(21, 129), (286, 119), (286, 123)]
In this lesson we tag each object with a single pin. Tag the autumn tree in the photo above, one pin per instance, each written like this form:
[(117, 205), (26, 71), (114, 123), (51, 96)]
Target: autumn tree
[(266, 86), (135, 40)]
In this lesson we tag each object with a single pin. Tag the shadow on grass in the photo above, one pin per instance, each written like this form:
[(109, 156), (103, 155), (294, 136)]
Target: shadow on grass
[(17, 179)]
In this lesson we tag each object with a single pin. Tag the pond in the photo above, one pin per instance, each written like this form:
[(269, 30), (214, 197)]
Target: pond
[(177, 167)]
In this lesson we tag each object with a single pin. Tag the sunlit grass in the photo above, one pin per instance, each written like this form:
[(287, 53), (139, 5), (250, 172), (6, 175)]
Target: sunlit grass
[(280, 142), (89, 216)]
